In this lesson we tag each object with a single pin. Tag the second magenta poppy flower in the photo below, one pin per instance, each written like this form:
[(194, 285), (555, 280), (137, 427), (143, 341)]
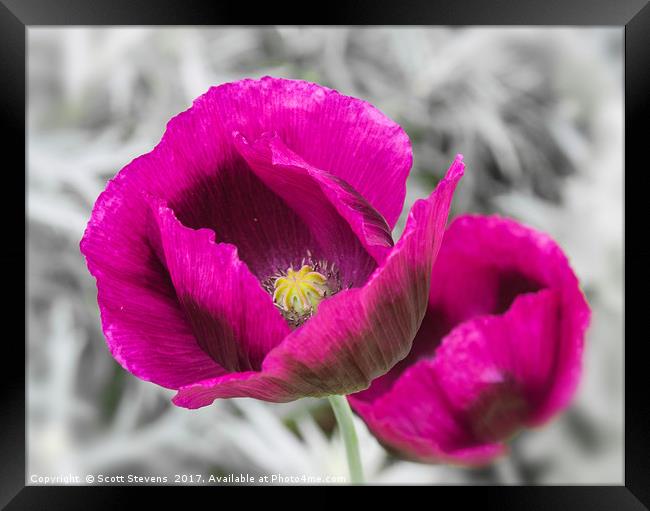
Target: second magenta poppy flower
[(500, 347), (250, 253)]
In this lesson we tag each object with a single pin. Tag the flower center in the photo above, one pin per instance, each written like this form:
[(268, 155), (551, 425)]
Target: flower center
[(300, 292), (297, 293)]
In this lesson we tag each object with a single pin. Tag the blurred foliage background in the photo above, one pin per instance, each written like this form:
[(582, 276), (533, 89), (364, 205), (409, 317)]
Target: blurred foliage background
[(537, 112)]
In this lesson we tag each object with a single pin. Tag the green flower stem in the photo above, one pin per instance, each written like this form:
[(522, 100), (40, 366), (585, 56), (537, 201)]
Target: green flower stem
[(343, 415)]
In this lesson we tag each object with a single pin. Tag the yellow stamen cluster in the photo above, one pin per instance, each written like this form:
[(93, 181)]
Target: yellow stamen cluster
[(300, 291)]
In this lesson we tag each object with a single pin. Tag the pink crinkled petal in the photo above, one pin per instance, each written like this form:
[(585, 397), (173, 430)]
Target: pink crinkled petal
[(503, 259), (344, 224), (144, 325), (346, 136), (232, 317), (483, 384), (417, 420)]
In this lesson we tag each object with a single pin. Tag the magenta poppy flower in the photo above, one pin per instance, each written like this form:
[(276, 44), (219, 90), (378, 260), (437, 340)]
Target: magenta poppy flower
[(250, 253), (499, 349)]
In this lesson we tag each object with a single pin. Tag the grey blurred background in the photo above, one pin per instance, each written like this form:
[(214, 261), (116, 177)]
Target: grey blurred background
[(537, 112)]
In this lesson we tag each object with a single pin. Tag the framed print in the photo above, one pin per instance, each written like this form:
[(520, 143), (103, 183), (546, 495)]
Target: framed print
[(386, 247)]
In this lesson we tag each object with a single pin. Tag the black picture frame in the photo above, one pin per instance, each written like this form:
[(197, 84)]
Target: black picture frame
[(17, 15)]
